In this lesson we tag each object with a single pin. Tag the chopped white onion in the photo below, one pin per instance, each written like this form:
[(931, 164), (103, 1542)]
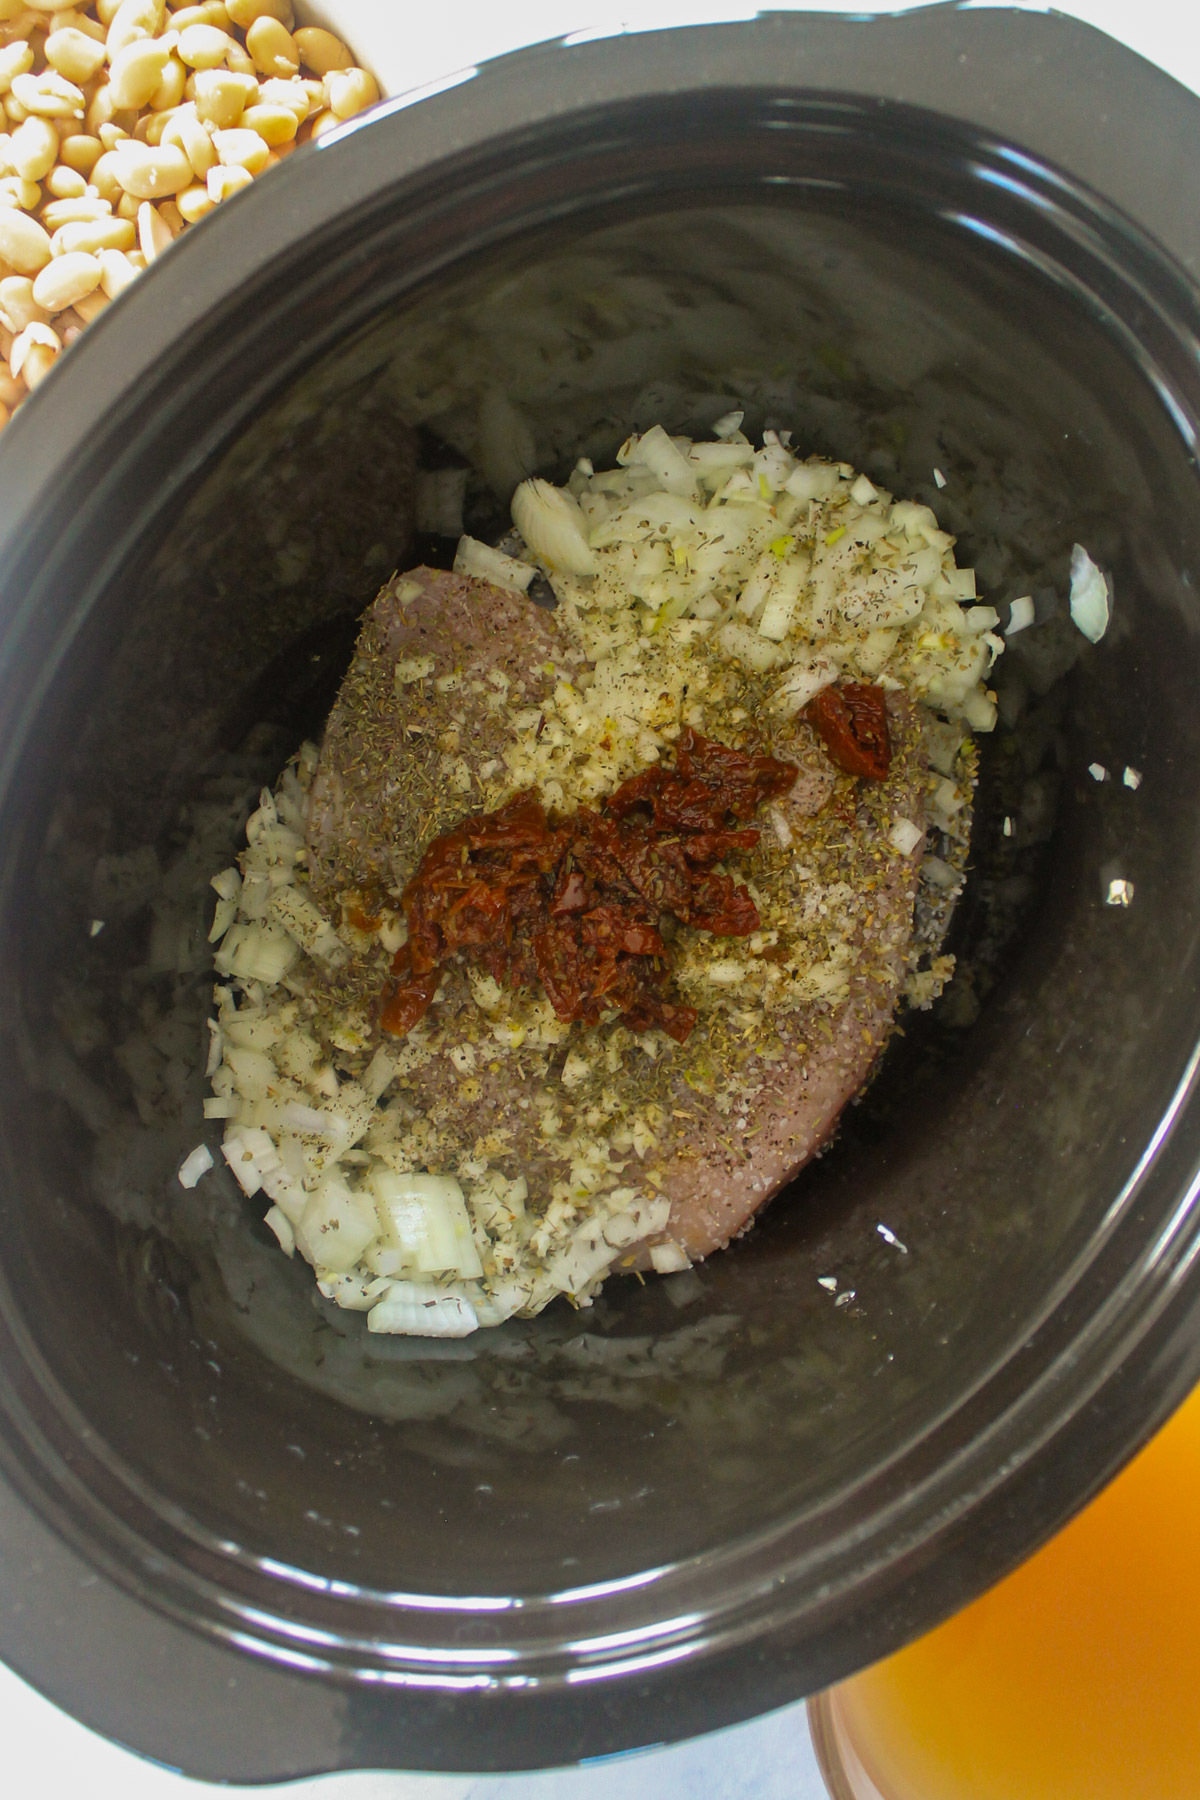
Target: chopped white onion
[(419, 1309), (803, 681), (193, 1166), (228, 884), (782, 830), (655, 451), (223, 1106), (553, 526), (379, 1074), (356, 1293), (669, 1259), (981, 618), (486, 564), (248, 1150), (337, 1227), (940, 874), (304, 922), (1090, 598), (257, 952), (424, 1223), (1020, 615), (224, 913), (281, 1225), (905, 835), (411, 669)]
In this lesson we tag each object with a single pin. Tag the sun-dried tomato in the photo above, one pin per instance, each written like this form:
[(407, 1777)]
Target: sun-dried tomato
[(410, 999), (578, 904), (851, 720)]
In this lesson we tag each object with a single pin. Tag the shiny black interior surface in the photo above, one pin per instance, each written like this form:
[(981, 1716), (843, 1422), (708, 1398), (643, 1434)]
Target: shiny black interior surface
[(725, 1465)]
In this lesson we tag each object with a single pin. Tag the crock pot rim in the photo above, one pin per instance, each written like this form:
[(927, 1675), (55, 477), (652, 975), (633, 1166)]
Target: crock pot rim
[(85, 387)]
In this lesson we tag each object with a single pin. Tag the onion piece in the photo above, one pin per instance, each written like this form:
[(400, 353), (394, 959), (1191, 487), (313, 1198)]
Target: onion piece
[(669, 1259), (486, 564), (281, 1225), (419, 1309), (424, 1222), (338, 1226), (1090, 596), (553, 525), (905, 835), (803, 681), (198, 1163), (659, 453), (1020, 615)]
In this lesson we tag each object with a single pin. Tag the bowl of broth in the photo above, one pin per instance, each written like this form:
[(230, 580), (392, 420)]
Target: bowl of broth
[(913, 243)]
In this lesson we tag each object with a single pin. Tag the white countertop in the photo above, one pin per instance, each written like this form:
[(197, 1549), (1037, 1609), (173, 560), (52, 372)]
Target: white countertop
[(45, 1752)]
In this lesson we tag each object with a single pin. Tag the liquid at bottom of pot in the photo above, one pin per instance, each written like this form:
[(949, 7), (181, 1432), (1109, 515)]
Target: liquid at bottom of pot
[(1076, 1678)]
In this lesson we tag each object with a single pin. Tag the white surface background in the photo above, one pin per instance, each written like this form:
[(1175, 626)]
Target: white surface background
[(47, 1754)]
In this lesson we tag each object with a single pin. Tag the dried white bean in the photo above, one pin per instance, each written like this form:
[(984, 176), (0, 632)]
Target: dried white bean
[(204, 46), (16, 191), (33, 149), (320, 51), (222, 96), (169, 91), (151, 126), (81, 152), (133, 19), (209, 12), (351, 91), (244, 12), (37, 365), (137, 70), (74, 54), (66, 279), (241, 148), (91, 305), (104, 178), (66, 183), (120, 125), (15, 59), (275, 125), (116, 272), (196, 143), (273, 49), (24, 244), (292, 94), (93, 235), (73, 20), (49, 95), (194, 202), (72, 212), (101, 111), (34, 336), (18, 308), (150, 173), (223, 182), (154, 234)]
